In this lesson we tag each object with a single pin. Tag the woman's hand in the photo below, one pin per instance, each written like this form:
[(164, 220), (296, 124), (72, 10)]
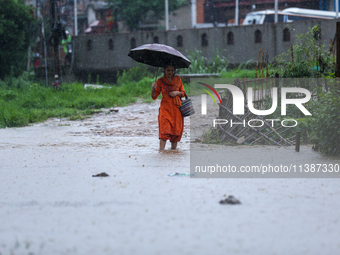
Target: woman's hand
[(175, 93), (154, 85)]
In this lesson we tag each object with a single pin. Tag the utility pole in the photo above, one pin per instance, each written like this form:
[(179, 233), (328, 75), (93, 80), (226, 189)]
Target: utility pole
[(236, 12), (166, 15), (193, 14), (276, 9), (75, 18)]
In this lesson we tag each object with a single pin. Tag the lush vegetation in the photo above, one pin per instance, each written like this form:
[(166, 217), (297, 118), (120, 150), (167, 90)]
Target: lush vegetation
[(310, 59), (23, 102), (307, 58), (220, 65), (325, 124), (18, 29), (200, 64), (322, 129), (240, 72)]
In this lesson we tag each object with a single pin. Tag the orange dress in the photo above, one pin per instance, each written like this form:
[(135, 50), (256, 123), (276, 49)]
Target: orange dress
[(170, 119)]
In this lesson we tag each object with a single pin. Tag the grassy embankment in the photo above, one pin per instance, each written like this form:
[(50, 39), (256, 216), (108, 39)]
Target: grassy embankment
[(23, 102), (35, 103)]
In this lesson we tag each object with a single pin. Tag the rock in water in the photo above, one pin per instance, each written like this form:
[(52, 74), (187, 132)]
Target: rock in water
[(230, 200), (103, 174)]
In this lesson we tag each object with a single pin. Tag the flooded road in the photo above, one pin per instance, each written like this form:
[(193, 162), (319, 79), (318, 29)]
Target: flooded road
[(51, 204)]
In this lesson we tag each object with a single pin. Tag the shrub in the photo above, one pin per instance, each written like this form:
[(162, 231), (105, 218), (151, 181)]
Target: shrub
[(136, 73), (200, 64), (325, 123), (308, 58)]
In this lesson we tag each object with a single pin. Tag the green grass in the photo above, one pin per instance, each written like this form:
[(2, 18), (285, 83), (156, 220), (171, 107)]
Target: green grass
[(35, 103), (31, 103), (240, 73), (23, 102)]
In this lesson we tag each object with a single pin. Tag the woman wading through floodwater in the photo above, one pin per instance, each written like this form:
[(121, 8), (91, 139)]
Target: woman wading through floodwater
[(170, 119)]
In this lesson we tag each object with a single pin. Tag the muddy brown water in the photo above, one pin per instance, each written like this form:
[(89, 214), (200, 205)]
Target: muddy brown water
[(50, 203)]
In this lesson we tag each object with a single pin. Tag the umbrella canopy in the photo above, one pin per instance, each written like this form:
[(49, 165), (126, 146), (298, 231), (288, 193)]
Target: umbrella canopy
[(159, 55)]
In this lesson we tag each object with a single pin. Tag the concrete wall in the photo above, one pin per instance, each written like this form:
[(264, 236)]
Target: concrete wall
[(102, 60)]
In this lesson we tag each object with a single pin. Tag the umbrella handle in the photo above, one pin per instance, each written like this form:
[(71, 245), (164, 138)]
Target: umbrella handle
[(156, 69)]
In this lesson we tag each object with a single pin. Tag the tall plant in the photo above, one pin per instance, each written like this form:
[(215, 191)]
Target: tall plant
[(311, 59), (325, 123), (201, 65), (306, 58)]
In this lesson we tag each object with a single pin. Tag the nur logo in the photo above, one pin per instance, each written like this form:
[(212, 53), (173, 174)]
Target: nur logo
[(238, 99)]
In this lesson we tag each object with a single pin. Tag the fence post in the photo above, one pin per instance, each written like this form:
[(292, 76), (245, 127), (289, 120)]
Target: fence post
[(257, 64), (297, 141)]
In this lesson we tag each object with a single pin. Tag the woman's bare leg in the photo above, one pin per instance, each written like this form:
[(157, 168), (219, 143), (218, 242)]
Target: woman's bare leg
[(162, 144), (174, 145)]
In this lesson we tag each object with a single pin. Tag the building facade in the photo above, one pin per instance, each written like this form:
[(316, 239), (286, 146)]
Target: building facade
[(106, 54)]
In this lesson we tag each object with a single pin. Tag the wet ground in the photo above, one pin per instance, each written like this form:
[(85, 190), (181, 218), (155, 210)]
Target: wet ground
[(51, 204)]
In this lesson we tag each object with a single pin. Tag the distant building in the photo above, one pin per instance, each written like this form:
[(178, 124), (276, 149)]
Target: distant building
[(178, 19), (66, 12), (94, 16), (96, 13), (223, 11)]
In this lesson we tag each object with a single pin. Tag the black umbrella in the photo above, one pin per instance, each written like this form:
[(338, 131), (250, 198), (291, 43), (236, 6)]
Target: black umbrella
[(159, 55)]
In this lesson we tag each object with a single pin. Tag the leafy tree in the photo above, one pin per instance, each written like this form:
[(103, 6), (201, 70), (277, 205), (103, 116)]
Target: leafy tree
[(135, 12), (16, 22)]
